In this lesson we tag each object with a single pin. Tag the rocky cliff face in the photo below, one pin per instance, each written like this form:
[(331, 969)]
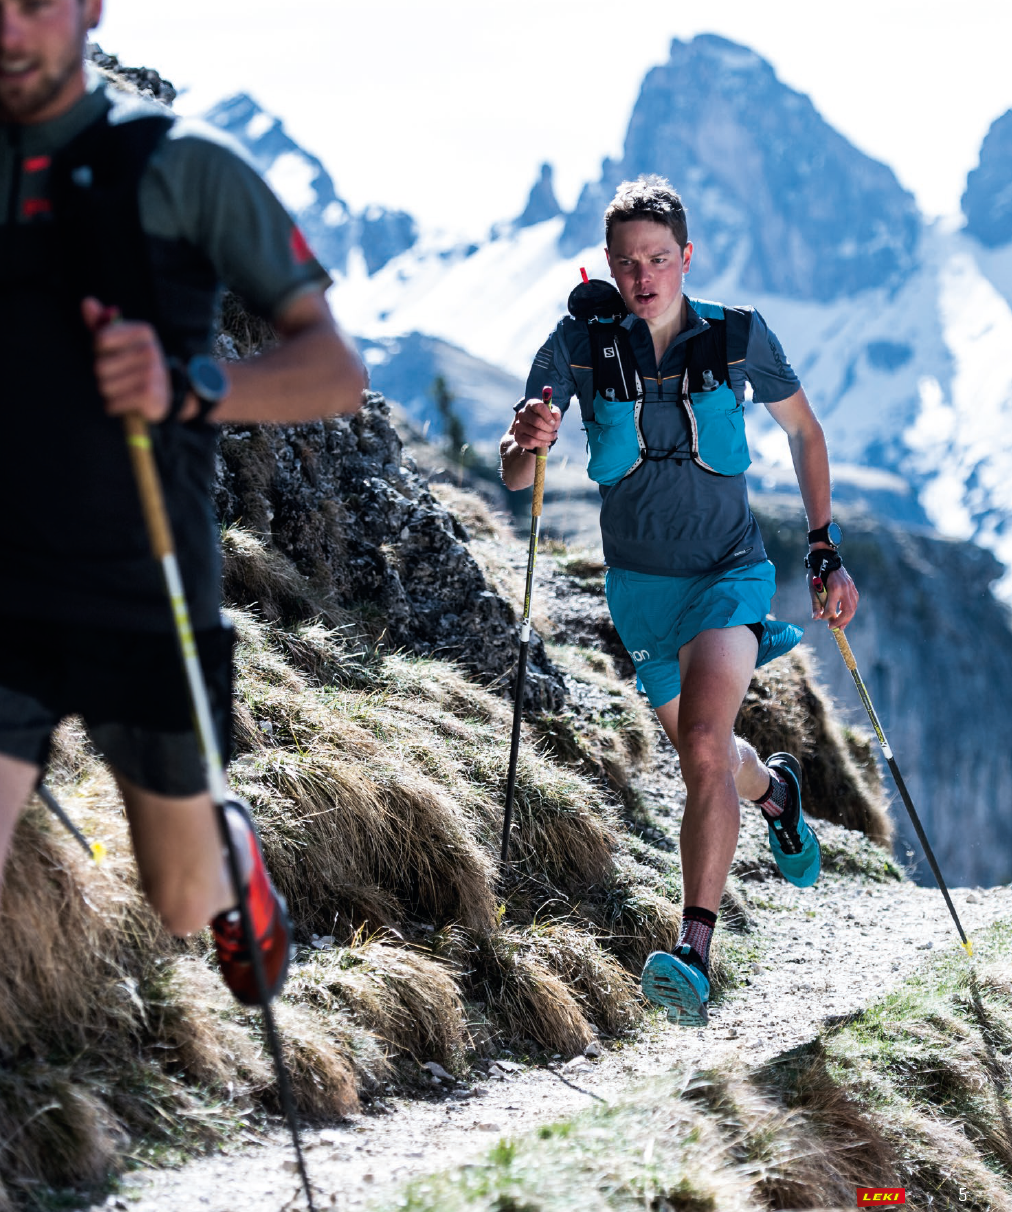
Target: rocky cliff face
[(987, 202), (340, 500), (935, 651), (305, 186), (766, 178)]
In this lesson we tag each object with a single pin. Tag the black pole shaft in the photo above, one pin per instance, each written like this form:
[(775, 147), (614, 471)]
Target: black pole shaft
[(267, 1015), (56, 808), (851, 662), (537, 499), (511, 778), (159, 529), (908, 803)]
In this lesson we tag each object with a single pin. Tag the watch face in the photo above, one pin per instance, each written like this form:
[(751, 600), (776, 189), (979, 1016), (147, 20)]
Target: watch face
[(834, 534), (207, 379)]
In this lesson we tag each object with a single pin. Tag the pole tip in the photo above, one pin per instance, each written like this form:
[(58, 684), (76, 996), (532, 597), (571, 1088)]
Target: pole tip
[(968, 948)]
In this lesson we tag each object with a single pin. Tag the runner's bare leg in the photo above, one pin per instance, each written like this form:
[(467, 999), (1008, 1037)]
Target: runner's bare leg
[(716, 667), (179, 854), (17, 781)]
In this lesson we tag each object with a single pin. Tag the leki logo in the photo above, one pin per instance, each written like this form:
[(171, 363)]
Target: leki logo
[(877, 1197)]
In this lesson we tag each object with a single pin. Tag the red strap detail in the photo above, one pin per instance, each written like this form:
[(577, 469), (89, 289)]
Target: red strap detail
[(36, 206), (37, 164), (300, 248)]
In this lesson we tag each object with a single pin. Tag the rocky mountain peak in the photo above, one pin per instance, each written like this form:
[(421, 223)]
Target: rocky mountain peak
[(766, 180), (541, 202), (987, 202), (307, 189)]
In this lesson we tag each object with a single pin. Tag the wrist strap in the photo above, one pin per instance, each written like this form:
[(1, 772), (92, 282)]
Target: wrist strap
[(822, 562), (179, 382)]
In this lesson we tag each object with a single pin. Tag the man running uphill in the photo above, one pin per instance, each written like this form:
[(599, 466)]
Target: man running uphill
[(118, 228), (660, 380)]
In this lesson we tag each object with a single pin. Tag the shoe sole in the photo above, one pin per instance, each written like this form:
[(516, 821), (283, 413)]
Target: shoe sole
[(665, 984), (787, 763)]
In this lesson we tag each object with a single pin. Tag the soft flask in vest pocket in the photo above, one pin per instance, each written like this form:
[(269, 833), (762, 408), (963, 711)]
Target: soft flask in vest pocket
[(717, 422), (614, 444)]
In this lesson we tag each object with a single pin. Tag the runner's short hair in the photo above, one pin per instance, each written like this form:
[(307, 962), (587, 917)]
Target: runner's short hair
[(648, 197)]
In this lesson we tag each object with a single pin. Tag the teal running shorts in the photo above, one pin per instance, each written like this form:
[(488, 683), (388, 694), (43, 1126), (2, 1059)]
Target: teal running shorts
[(655, 616)]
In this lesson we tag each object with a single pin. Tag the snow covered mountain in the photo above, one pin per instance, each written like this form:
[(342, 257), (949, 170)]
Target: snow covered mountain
[(900, 329), (304, 185), (764, 177)]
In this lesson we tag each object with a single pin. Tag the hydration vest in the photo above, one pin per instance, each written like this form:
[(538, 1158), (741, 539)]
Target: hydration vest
[(612, 411), (81, 514)]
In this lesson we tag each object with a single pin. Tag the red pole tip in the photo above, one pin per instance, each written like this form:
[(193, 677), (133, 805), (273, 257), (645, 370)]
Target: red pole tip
[(546, 395), (583, 274)]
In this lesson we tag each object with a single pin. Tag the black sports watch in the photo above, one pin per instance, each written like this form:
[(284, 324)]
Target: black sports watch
[(830, 533), (201, 375)]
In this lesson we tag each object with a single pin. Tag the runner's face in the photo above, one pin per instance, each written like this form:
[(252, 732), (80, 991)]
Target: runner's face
[(41, 50), (648, 266)]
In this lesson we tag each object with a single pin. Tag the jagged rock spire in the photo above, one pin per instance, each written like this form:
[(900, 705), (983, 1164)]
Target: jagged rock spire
[(541, 202)]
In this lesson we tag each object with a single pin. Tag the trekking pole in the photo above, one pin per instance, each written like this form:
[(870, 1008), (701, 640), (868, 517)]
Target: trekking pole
[(160, 535), (541, 460), (94, 850), (849, 660)]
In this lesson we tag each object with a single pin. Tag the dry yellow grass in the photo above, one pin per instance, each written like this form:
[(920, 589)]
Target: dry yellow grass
[(411, 1000), (378, 783)]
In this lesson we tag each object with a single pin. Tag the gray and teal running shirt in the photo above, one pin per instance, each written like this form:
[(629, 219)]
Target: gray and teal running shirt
[(74, 546), (670, 517)]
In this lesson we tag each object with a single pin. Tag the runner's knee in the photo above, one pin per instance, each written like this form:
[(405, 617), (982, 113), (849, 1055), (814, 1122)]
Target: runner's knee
[(705, 753)]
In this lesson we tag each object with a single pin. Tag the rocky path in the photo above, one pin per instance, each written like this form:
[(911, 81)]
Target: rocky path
[(826, 951)]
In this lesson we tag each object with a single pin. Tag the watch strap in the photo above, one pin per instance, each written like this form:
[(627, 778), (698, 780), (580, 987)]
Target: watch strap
[(179, 383), (821, 535)]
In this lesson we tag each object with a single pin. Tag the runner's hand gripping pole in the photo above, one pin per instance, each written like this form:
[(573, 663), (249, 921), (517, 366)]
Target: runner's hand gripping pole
[(541, 462), (156, 519), (849, 660)]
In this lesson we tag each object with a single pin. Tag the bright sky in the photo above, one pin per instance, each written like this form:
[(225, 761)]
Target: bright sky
[(446, 108)]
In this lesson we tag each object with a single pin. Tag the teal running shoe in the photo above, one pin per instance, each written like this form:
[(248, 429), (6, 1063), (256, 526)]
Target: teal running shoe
[(778, 638), (671, 981), (795, 847)]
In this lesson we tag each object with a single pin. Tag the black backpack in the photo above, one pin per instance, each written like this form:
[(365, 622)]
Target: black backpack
[(616, 375)]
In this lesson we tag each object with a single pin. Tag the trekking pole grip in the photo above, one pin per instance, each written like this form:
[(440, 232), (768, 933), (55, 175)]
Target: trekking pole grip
[(841, 640), (149, 484), (540, 463)]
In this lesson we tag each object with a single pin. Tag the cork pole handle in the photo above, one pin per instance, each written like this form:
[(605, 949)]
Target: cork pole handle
[(149, 485), (841, 640), (541, 461)]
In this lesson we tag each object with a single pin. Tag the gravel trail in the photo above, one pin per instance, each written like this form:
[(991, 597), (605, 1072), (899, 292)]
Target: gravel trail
[(828, 951)]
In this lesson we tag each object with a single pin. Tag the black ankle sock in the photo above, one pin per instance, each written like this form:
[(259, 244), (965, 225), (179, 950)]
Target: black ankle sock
[(776, 798), (697, 932)]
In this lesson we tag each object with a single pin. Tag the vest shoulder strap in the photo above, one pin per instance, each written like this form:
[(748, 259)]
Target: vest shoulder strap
[(739, 324), (96, 179)]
